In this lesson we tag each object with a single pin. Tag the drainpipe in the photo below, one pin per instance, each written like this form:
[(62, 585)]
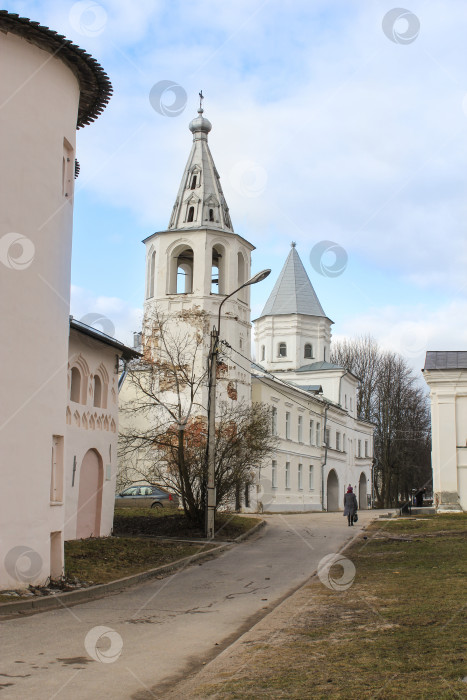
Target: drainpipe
[(326, 407), (122, 377), (340, 386), (373, 465)]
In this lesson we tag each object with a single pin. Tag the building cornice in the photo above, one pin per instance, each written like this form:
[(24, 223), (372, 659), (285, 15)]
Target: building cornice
[(94, 84)]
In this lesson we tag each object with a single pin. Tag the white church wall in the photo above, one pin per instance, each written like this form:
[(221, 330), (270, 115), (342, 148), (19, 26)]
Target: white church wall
[(92, 424), (35, 136)]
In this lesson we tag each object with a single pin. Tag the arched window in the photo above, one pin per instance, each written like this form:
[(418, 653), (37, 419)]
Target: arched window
[(191, 214), (211, 215), (97, 391), (151, 273), (282, 350), (75, 389), (263, 352), (308, 351), (185, 272), (193, 182)]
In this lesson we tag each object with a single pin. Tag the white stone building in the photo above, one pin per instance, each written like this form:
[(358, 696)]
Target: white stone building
[(87, 488), (446, 375), (195, 263), (49, 88)]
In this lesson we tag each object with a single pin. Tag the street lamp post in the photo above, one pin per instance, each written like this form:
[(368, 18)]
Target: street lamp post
[(213, 355)]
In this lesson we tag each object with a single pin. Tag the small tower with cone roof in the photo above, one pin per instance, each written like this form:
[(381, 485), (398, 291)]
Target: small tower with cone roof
[(293, 331), (199, 259)]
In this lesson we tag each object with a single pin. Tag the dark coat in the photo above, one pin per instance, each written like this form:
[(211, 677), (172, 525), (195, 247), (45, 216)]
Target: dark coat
[(350, 504)]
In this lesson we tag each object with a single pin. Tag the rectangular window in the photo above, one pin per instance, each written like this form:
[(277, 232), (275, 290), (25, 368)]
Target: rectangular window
[(327, 436), (300, 477), (274, 420), (312, 432), (274, 474), (287, 475), (367, 454), (318, 434), (287, 425), (338, 441), (300, 428), (310, 477), (343, 443), (359, 448), (56, 479)]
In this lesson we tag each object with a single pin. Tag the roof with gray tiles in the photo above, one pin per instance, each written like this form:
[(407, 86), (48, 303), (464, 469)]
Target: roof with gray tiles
[(318, 367), (293, 292), (451, 359)]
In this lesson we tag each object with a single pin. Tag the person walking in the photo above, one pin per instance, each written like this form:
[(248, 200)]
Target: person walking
[(350, 505)]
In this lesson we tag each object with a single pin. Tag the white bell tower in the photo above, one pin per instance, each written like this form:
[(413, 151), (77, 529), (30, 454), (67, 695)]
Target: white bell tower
[(199, 260), (293, 332)]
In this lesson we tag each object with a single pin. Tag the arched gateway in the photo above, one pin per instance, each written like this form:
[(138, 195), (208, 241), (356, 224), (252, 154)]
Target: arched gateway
[(91, 477), (333, 491)]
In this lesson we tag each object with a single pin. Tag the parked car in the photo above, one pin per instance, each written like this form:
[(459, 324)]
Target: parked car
[(144, 497)]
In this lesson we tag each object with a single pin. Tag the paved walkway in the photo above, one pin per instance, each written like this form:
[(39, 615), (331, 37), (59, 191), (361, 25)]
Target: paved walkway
[(160, 631)]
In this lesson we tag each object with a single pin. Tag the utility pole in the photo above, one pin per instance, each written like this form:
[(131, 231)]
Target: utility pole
[(211, 458), (211, 483)]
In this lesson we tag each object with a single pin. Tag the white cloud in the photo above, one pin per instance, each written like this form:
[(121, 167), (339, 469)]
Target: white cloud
[(412, 331), (111, 315)]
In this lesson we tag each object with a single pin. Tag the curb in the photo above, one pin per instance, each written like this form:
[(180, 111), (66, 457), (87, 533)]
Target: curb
[(62, 600)]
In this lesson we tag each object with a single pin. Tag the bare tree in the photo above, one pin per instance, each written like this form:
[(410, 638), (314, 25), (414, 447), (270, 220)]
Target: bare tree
[(390, 396), (164, 439)]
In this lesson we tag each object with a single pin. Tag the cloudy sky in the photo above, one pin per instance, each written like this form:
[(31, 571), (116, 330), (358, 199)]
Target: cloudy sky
[(332, 121)]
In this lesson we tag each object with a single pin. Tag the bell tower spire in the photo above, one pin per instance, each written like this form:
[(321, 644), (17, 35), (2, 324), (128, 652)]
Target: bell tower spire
[(200, 199), (199, 260)]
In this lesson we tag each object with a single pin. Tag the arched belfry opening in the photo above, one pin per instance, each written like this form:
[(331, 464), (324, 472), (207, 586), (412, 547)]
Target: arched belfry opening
[(181, 271), (241, 275), (218, 269)]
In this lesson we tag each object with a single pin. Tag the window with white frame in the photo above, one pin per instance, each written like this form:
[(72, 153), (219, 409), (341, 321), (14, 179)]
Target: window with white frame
[(351, 404), (312, 432), (300, 477), (343, 443), (310, 477), (327, 437), (274, 420), (287, 425), (318, 434), (345, 401), (300, 429), (338, 441), (359, 448), (263, 352), (308, 353), (274, 474), (287, 475), (367, 454), (282, 350)]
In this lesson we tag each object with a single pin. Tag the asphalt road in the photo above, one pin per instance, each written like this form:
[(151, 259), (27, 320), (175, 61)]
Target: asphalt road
[(160, 631)]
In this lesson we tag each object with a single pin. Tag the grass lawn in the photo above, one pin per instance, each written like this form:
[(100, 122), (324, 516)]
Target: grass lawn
[(165, 522), (397, 632), (106, 559)]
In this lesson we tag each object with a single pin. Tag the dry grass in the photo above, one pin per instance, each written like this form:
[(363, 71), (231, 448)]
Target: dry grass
[(104, 559), (397, 632)]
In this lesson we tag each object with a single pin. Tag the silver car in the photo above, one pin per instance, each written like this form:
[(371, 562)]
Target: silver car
[(145, 497)]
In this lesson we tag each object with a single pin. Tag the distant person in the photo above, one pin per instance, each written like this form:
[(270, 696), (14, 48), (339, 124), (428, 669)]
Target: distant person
[(419, 497), (350, 505)]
